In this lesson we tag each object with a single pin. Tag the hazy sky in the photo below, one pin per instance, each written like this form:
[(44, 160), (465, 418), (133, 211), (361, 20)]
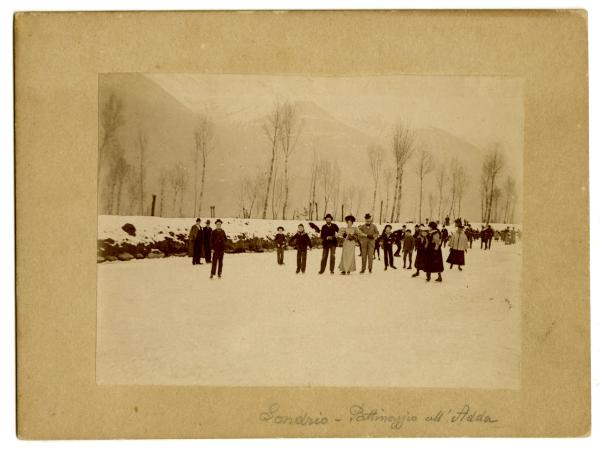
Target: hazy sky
[(480, 110)]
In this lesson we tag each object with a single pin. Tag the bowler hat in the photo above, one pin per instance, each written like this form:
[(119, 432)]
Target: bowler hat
[(328, 216), (367, 216), (218, 221)]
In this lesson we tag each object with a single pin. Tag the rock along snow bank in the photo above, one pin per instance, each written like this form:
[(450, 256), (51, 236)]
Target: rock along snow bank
[(137, 237)]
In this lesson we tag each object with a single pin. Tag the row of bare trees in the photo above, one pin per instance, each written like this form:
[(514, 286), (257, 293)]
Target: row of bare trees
[(121, 180), (498, 197)]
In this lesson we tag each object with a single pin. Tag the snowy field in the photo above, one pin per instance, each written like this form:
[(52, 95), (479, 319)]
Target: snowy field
[(163, 322)]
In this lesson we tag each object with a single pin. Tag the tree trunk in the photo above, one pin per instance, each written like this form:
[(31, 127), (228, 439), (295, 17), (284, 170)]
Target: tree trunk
[(202, 184), (399, 195), (270, 179), (420, 198), (394, 201), (286, 192)]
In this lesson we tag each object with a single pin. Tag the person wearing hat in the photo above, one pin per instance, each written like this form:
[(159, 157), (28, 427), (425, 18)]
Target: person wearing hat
[(387, 240), (329, 233), (206, 233), (421, 247), (280, 244), (458, 247), (399, 237), (407, 249), (302, 242), (195, 242), (217, 243), (368, 234), (350, 236), (435, 261)]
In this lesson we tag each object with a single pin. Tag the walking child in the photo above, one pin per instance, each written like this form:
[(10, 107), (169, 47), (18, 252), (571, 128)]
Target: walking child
[(387, 240), (217, 243), (280, 244), (302, 242), (407, 250)]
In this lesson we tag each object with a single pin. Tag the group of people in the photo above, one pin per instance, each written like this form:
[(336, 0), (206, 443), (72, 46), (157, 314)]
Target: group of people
[(427, 242), (205, 242)]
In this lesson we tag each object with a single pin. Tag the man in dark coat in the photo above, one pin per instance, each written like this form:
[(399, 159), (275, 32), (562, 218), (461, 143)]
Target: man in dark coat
[(444, 235), (387, 241), (217, 243), (206, 233), (302, 242), (329, 238), (195, 242), (398, 237)]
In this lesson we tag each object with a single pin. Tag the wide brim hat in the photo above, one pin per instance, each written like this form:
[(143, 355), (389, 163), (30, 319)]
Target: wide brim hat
[(328, 216), (219, 221), (433, 224), (350, 218)]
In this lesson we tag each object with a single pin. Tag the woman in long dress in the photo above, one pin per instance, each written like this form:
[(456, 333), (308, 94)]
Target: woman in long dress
[(350, 235)]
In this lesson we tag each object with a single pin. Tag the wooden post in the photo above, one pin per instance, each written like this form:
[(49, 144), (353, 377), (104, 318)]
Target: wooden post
[(342, 211), (380, 212), (153, 204), (316, 210)]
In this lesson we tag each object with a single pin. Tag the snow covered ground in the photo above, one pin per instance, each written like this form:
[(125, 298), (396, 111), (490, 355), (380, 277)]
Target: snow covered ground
[(150, 229), (163, 322)]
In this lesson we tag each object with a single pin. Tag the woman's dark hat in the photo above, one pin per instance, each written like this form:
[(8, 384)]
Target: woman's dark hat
[(433, 225), (219, 221), (350, 218)]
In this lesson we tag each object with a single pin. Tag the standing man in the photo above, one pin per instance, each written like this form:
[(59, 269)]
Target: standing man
[(195, 242), (329, 233), (206, 233), (368, 234), (217, 243), (444, 234), (399, 237), (489, 233)]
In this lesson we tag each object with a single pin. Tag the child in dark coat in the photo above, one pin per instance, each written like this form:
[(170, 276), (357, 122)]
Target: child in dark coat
[(217, 243), (407, 249), (302, 242), (280, 244), (387, 241)]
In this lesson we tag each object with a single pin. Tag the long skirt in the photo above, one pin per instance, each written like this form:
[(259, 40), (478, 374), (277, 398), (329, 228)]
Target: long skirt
[(456, 257), (435, 262), (348, 259), (421, 259)]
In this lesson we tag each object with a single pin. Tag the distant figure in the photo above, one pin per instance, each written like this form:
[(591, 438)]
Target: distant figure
[(280, 244), (435, 262), (329, 233), (217, 243), (206, 233), (302, 242), (350, 235), (458, 247), (195, 242), (387, 241), (469, 234), (407, 249), (444, 235), (421, 246), (368, 234)]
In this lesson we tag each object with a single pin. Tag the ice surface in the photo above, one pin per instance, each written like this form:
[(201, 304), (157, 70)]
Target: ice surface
[(164, 322)]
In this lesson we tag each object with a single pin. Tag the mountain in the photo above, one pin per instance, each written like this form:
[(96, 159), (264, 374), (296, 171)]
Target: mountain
[(242, 149)]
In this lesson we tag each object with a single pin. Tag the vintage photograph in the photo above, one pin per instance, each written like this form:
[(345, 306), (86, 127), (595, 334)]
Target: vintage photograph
[(258, 230)]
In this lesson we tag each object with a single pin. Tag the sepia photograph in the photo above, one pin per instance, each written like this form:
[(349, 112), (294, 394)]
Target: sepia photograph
[(262, 230)]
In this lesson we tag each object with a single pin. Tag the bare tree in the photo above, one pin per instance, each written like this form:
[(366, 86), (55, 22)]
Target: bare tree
[(460, 186), (493, 164), (142, 142), (508, 194), (121, 170), (388, 175), (424, 167), (290, 132), (162, 180), (315, 176), (110, 157), (375, 153), (203, 137), (431, 200), (178, 182), (403, 146), (272, 128), (250, 189), (440, 179)]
